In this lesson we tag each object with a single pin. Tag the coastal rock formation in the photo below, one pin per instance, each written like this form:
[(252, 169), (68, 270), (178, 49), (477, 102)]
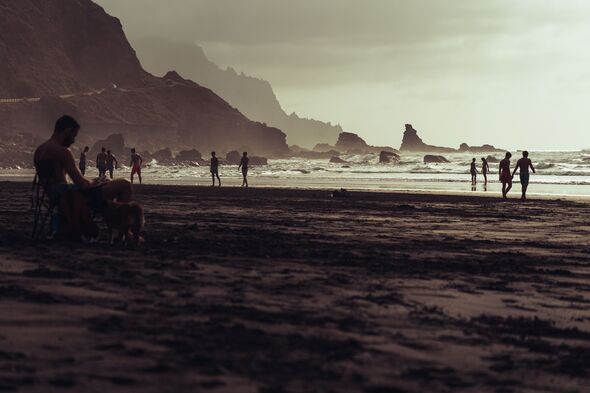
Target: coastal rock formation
[(115, 143), (159, 56), (337, 160), (354, 144), (77, 60), (163, 156), (432, 159), (411, 142), (188, 156), (387, 157), (234, 158), (465, 148)]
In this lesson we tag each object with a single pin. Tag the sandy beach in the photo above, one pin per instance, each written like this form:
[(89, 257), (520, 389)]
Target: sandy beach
[(277, 290)]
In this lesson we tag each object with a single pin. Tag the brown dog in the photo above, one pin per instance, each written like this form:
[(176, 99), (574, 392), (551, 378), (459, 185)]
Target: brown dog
[(124, 220)]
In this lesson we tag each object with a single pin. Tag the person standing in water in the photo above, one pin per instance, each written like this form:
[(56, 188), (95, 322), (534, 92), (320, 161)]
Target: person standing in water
[(485, 168), (524, 164), (82, 163), (505, 175), (136, 162), (101, 163), (112, 163), (473, 173), (244, 167), (215, 169)]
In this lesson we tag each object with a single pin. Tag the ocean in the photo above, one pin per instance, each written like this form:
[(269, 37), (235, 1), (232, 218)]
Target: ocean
[(558, 173)]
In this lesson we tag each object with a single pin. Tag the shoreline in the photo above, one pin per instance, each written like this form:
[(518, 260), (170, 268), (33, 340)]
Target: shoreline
[(514, 195)]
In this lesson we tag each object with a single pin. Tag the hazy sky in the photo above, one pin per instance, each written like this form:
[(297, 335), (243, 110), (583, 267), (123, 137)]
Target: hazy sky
[(515, 73)]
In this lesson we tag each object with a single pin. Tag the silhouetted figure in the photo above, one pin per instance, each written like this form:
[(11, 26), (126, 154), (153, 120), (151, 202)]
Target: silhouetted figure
[(136, 162), (101, 163), (523, 165), (473, 173), (54, 161), (112, 163), (244, 166), (505, 175), (215, 169), (485, 168), (82, 163)]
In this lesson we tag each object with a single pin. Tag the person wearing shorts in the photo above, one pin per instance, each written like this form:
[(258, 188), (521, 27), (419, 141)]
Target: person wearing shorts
[(136, 162), (523, 165)]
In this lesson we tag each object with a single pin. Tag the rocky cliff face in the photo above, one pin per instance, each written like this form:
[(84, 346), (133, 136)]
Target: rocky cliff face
[(252, 96), (413, 143), (66, 56)]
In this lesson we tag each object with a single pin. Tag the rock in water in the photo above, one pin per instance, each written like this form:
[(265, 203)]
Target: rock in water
[(337, 160), (412, 142), (386, 157), (430, 159)]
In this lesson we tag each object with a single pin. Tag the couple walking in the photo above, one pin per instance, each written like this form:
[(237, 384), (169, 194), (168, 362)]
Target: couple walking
[(243, 166), (506, 175)]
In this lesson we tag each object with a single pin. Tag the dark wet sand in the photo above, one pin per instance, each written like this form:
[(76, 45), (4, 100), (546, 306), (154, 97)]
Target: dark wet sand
[(292, 291)]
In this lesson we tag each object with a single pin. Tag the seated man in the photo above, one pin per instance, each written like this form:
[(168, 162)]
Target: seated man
[(54, 160)]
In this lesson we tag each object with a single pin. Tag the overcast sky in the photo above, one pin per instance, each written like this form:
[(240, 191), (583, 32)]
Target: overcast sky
[(514, 73)]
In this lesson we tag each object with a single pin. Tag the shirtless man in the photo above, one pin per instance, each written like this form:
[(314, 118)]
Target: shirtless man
[(524, 164), (136, 162), (215, 169), (244, 166), (82, 164), (54, 160), (101, 163), (485, 168), (505, 176), (112, 163)]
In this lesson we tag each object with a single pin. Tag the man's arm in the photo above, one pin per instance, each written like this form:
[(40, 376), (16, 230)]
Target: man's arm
[(116, 162), (97, 160), (532, 167), (73, 171), (516, 168)]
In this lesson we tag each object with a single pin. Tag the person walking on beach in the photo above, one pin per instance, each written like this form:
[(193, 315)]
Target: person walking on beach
[(505, 175), (215, 169), (136, 162), (244, 167), (101, 163), (112, 163), (82, 163), (485, 168), (473, 173), (523, 165)]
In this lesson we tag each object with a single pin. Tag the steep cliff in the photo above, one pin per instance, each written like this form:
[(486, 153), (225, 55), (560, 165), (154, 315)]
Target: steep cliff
[(69, 56), (252, 96)]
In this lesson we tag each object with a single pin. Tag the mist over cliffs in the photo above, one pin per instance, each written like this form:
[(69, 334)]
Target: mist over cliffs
[(66, 56), (254, 97)]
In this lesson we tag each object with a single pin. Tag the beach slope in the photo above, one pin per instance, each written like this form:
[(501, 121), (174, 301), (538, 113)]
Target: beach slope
[(258, 290)]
